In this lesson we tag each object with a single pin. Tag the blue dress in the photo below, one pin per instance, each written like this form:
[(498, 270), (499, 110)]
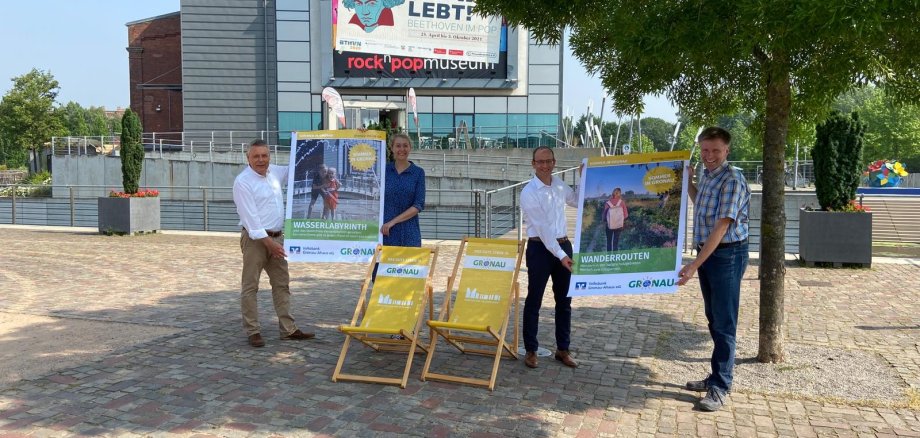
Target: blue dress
[(403, 190)]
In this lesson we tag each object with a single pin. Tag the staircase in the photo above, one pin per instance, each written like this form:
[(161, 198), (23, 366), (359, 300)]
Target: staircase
[(894, 218)]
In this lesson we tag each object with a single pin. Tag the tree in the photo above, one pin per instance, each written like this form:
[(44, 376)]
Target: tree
[(659, 132), (837, 155), (784, 61), (640, 144), (27, 113), (132, 152), (80, 121), (892, 131), (74, 118)]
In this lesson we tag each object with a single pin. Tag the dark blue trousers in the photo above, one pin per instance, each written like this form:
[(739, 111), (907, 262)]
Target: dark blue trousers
[(541, 266), (720, 280)]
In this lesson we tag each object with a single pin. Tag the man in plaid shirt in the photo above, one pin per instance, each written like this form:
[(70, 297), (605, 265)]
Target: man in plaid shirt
[(720, 233)]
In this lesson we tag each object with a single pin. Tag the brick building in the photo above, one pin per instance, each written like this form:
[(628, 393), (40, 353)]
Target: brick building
[(155, 68)]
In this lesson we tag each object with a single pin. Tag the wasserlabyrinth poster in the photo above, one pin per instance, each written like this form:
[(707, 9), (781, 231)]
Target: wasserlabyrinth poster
[(334, 195), (631, 223)]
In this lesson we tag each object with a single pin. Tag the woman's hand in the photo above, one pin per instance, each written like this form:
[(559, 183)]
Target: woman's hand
[(385, 228)]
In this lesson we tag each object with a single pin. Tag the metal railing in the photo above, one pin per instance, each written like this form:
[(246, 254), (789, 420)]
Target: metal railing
[(450, 214), (438, 137), (502, 205)]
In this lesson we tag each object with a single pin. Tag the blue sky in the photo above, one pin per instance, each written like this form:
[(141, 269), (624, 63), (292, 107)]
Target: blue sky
[(602, 180), (82, 43)]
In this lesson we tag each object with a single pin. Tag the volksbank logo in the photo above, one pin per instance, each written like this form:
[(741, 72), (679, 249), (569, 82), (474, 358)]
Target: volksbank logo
[(357, 251), (387, 301), (472, 294), (651, 282), (479, 263)]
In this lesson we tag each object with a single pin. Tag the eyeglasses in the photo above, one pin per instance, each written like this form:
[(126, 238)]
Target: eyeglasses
[(544, 162)]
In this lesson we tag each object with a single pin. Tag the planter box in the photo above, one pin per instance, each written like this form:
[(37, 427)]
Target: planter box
[(835, 237), (129, 215)]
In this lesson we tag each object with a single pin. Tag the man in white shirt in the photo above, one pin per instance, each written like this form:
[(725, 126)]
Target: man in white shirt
[(549, 254), (260, 205)]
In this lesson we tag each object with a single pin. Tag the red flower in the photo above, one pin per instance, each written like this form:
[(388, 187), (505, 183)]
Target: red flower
[(139, 194)]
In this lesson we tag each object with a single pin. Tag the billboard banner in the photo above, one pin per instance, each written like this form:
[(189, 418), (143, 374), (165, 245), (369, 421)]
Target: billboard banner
[(631, 224), (410, 38), (334, 196)]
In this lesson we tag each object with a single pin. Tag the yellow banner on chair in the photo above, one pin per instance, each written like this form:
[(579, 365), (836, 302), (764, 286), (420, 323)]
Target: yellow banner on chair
[(398, 290), (485, 286)]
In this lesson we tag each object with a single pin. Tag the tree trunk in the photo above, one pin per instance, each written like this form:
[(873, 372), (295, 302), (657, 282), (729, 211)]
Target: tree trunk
[(773, 217)]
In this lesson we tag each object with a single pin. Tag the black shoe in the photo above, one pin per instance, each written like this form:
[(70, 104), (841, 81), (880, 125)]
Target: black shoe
[(298, 336), (698, 385)]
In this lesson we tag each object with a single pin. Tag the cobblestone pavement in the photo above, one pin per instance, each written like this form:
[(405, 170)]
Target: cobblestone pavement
[(204, 380)]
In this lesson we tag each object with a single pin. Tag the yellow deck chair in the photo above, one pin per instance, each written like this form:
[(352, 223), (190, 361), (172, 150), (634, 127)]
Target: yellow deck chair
[(475, 317), (390, 318)]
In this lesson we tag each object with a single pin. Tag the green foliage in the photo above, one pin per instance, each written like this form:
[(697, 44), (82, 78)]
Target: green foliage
[(385, 127), (838, 160), (43, 177), (11, 155), (132, 151), (27, 115), (659, 132), (639, 145), (892, 129), (80, 121)]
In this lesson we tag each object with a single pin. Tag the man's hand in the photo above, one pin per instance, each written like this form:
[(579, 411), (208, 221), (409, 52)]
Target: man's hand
[(686, 273), (568, 263), (275, 249)]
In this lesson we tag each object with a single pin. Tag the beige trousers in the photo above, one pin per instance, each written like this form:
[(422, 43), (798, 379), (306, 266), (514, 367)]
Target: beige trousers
[(255, 260)]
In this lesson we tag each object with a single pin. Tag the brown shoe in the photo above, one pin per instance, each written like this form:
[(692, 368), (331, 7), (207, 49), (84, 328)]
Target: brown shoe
[(256, 340), (566, 358), (531, 359), (298, 336)]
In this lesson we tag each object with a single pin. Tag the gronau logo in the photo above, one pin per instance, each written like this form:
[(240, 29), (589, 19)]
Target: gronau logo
[(489, 263), (651, 282), (474, 295), (356, 251), (400, 272), (386, 300)]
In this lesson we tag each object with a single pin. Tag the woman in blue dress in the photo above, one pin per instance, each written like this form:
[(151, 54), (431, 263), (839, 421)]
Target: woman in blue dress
[(404, 197)]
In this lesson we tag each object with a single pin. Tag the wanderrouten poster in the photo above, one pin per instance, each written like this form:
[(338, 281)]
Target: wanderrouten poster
[(630, 225), (334, 195)]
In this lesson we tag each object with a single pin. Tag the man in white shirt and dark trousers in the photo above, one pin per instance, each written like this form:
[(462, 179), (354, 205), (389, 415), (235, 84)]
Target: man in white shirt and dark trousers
[(549, 254), (257, 193)]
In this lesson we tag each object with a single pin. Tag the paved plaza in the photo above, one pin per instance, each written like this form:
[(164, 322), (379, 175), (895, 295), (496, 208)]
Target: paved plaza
[(144, 339)]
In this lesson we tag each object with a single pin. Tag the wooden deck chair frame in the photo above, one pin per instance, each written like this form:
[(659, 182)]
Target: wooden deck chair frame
[(496, 347), (384, 340)]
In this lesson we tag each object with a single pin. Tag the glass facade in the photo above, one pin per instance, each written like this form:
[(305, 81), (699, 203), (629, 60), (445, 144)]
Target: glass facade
[(446, 131), (297, 121), (521, 110)]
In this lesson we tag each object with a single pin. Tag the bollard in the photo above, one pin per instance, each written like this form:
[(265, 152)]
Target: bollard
[(72, 209), (14, 203), (204, 205)]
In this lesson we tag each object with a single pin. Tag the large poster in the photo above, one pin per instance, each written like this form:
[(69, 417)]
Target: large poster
[(631, 224), (335, 195), (400, 38)]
